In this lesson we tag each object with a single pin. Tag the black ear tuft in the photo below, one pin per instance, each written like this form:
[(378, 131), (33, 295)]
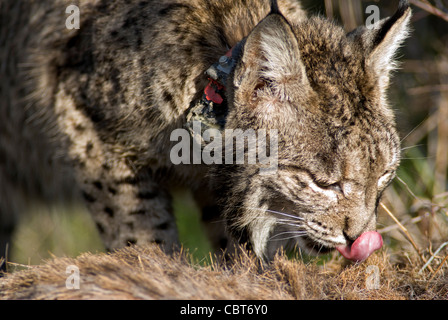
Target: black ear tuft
[(403, 7), (274, 7)]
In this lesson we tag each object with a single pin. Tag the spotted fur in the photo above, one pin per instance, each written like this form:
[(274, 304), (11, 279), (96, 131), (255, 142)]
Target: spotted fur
[(103, 100)]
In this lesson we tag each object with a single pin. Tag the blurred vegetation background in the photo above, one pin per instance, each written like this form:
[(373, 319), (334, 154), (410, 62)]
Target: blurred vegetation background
[(413, 217)]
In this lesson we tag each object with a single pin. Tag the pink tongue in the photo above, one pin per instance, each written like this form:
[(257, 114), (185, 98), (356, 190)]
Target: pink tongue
[(363, 247)]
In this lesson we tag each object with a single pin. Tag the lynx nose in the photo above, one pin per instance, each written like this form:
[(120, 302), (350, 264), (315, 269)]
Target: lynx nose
[(350, 239), (357, 221), (352, 229)]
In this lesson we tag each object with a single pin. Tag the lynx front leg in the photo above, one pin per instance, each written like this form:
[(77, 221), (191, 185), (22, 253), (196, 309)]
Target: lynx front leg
[(130, 210), (128, 206), (212, 220)]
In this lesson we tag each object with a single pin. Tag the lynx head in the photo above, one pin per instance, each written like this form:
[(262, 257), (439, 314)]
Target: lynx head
[(324, 91)]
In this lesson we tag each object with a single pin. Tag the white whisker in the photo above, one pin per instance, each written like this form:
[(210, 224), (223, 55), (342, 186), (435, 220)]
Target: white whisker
[(407, 148), (289, 224), (290, 221), (320, 249), (295, 233), (288, 238), (285, 214), (273, 211), (412, 131)]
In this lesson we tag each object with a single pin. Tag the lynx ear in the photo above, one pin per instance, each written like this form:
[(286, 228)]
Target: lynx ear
[(381, 41), (270, 63)]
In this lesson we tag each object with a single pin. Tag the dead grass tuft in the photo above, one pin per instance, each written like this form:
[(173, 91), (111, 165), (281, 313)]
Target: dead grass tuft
[(147, 273)]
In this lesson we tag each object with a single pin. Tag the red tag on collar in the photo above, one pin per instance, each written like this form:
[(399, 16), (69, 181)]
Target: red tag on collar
[(210, 89), (211, 94)]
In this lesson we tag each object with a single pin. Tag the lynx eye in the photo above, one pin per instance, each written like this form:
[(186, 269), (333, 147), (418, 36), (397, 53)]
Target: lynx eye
[(318, 184), (335, 187), (385, 179), (326, 186)]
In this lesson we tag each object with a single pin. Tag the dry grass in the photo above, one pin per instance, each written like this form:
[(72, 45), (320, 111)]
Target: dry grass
[(147, 273)]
